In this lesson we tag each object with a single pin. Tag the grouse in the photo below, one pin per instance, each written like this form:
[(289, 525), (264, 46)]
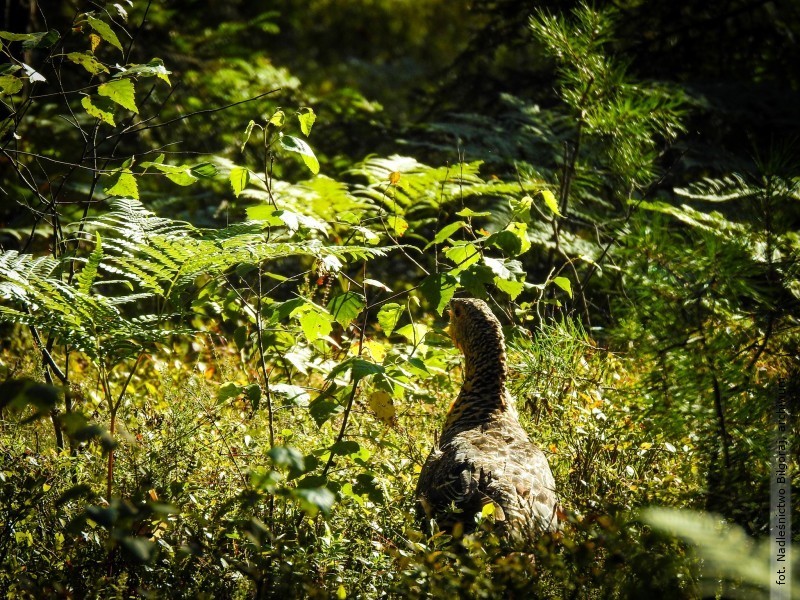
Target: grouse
[(483, 455)]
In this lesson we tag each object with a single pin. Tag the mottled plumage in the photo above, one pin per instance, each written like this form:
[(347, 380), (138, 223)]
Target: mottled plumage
[(483, 454)]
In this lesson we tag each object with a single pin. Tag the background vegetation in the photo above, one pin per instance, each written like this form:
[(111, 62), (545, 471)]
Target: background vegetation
[(229, 236)]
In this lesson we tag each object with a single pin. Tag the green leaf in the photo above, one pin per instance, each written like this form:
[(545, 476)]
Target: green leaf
[(120, 91), (313, 500), (228, 390), (550, 201), (287, 457), (388, 316), (294, 394), (446, 232), (346, 307), (86, 278), (463, 255), (253, 393), (469, 213), (204, 170), (298, 146), (99, 108), (88, 62), (154, 68), (359, 368), (321, 410), (306, 117), (439, 289), (498, 267), (475, 279), (509, 286), (413, 333), (9, 85), (521, 209), (278, 119), (265, 212), (125, 186), (316, 324), (239, 178), (564, 284), (39, 39), (180, 174), (345, 447), (240, 336), (104, 30), (513, 240)]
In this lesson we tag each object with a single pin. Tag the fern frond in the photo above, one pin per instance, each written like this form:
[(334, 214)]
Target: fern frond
[(88, 274), (730, 187)]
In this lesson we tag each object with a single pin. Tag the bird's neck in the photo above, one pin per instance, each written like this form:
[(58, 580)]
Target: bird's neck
[(483, 394)]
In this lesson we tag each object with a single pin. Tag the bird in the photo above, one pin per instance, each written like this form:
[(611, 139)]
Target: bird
[(483, 455)]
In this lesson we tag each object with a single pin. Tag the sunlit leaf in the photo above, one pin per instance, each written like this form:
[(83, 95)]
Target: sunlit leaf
[(469, 213), (381, 404), (104, 30), (413, 333), (564, 284), (463, 255), (306, 117), (398, 224), (99, 108), (125, 186), (278, 118), (10, 84), (550, 201), (510, 287), (239, 178), (446, 232), (346, 307), (314, 500), (88, 62), (88, 274), (154, 68), (316, 324), (120, 91), (388, 316), (298, 146)]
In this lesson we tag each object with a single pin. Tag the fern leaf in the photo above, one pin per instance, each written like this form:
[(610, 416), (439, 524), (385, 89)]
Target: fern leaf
[(88, 274)]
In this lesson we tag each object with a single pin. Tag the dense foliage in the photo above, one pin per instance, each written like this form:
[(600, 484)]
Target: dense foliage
[(228, 239)]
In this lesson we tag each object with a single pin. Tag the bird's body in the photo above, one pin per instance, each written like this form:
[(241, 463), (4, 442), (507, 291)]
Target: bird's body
[(484, 455)]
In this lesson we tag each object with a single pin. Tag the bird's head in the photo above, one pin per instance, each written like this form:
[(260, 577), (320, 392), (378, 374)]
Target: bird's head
[(473, 327)]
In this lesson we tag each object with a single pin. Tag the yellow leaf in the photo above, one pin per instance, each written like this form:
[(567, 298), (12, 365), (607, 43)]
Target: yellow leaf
[(381, 404), (394, 177), (94, 40), (487, 510), (153, 495), (376, 350)]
